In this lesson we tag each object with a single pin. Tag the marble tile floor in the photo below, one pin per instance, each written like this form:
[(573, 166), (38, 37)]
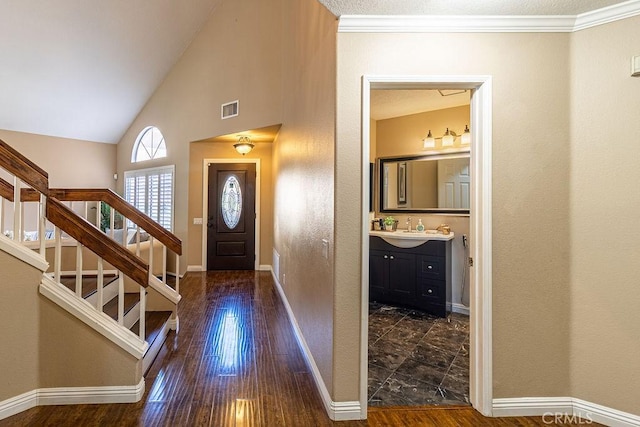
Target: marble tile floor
[(417, 359)]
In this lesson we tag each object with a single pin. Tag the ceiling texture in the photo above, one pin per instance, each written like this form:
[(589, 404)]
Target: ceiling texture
[(84, 69)]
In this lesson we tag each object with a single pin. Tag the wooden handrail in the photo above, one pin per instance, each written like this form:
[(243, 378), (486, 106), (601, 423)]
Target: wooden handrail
[(91, 237), (170, 240), (6, 190), (18, 165)]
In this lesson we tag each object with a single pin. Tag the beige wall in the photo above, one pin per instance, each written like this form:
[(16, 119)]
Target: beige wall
[(41, 341), (19, 364), (403, 135), (530, 189), (236, 55), (70, 163), (605, 229), (224, 150), (304, 182)]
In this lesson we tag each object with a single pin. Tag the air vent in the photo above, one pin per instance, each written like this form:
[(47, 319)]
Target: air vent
[(230, 109)]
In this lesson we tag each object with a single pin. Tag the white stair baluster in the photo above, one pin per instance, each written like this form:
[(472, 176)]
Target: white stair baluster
[(177, 273), (120, 298), (143, 310), (164, 264), (42, 225), (78, 269), (100, 285), (17, 210)]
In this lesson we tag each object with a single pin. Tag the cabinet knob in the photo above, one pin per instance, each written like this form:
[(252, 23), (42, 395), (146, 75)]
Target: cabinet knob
[(430, 267), (430, 291), (391, 257), (385, 257)]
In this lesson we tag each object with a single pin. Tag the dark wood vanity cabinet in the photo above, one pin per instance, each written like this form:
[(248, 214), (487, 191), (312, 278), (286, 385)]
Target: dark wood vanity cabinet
[(417, 277)]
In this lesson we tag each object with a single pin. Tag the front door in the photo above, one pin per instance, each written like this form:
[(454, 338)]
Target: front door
[(231, 217)]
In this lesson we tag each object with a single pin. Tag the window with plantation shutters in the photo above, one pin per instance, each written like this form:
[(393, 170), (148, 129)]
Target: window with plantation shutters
[(151, 191)]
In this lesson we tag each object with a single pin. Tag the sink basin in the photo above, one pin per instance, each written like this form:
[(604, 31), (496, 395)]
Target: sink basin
[(409, 239)]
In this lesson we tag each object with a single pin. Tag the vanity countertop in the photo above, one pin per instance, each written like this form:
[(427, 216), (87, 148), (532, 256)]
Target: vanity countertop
[(422, 236)]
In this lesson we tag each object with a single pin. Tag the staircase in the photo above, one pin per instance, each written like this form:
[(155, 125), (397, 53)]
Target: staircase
[(120, 289)]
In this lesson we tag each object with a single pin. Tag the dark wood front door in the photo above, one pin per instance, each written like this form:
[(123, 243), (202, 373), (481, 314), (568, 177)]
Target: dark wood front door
[(231, 218)]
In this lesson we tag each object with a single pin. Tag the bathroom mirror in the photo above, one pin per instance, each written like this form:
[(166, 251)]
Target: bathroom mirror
[(438, 183)]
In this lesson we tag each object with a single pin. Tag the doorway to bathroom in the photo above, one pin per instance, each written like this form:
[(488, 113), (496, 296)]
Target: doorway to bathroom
[(411, 354)]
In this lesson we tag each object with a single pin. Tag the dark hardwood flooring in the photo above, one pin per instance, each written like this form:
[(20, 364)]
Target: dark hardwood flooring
[(235, 362)]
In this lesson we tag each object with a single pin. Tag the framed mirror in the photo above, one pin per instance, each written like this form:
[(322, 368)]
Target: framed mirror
[(435, 183)]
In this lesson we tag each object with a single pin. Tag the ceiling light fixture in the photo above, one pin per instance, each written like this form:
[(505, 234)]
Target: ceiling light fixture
[(244, 145)]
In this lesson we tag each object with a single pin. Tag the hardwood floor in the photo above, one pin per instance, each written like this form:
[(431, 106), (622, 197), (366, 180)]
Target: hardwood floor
[(235, 362)]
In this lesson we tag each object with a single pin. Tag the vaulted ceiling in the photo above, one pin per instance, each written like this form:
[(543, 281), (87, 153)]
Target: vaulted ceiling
[(84, 69)]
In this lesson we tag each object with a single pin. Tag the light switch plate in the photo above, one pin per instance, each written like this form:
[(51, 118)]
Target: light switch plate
[(197, 221)]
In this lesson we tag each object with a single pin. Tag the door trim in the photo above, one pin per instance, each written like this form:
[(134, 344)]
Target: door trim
[(481, 364), (205, 204)]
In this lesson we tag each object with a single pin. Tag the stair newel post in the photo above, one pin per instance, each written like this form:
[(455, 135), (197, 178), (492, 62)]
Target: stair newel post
[(120, 298), (17, 210), (143, 311), (42, 224), (58, 254), (100, 285), (79, 269), (177, 273)]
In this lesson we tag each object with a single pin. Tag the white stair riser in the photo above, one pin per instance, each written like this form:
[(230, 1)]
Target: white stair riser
[(110, 291), (132, 316)]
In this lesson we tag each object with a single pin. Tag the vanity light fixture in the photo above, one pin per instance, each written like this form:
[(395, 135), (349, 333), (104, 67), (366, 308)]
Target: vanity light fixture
[(244, 145), (447, 139), (465, 138), (429, 141)]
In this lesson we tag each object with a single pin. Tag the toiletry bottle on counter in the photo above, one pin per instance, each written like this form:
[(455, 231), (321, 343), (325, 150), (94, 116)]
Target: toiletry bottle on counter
[(420, 226)]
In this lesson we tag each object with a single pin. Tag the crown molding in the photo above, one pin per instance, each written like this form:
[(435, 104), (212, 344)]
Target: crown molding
[(607, 14), (486, 24)]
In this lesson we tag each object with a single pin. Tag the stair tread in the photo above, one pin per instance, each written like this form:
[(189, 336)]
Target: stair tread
[(89, 284), (154, 321), (130, 300)]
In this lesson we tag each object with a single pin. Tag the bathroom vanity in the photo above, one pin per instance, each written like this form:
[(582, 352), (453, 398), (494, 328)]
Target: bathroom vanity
[(411, 270)]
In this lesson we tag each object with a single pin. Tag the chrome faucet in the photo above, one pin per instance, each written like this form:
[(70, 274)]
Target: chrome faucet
[(409, 223)]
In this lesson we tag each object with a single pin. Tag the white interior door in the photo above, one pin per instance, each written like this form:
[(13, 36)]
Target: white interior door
[(454, 184)]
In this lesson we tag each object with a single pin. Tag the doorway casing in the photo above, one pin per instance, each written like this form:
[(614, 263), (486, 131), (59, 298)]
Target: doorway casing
[(205, 204), (481, 368)]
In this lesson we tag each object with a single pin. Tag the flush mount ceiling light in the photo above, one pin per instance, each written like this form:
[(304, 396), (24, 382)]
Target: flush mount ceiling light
[(448, 139), (244, 145)]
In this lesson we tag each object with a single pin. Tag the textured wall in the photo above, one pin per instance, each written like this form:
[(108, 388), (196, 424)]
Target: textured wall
[(605, 231), (236, 56), (20, 320), (530, 189), (304, 180), (70, 163)]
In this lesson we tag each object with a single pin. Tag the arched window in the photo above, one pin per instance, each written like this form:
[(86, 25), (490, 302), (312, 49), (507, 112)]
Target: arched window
[(149, 145)]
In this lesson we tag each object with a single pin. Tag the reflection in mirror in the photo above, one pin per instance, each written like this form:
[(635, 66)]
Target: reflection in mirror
[(437, 183)]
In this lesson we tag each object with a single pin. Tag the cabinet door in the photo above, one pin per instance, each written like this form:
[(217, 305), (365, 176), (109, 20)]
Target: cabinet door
[(402, 276), (378, 274)]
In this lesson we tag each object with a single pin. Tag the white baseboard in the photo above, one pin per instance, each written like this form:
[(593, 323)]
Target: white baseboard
[(264, 267), (337, 411), (71, 396), (567, 409), (458, 308), (195, 268)]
